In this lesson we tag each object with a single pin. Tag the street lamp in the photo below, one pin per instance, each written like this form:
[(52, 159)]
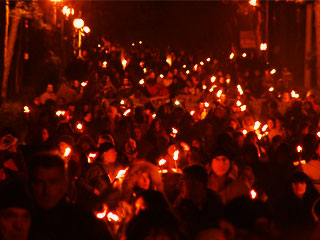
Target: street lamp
[(78, 24)]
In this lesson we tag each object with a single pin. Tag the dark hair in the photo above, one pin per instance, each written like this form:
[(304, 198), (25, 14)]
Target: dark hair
[(46, 160), (196, 173)]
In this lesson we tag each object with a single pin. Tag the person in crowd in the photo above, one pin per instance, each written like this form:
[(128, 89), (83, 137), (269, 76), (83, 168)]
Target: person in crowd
[(48, 94), (54, 217)]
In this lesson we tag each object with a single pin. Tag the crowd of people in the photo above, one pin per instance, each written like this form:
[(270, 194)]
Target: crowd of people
[(144, 144)]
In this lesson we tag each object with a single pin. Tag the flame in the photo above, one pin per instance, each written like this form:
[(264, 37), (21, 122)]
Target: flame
[(296, 163), (244, 132), (273, 71), (243, 108), (176, 155), (59, 112), (154, 116), (122, 173), (144, 70), (208, 59), (83, 84), (318, 134), (132, 44), (260, 136), (122, 102), (91, 156), (219, 93), (294, 94), (253, 3), (141, 82), (239, 103), (67, 152), (112, 217), (141, 64), (303, 162), (206, 104), (231, 56), (188, 71), (213, 79), (161, 76), (271, 89), (140, 42), (126, 112), (239, 89), (162, 162), (264, 128), (169, 60), (201, 63), (177, 102), (104, 64), (124, 63), (256, 125), (263, 46), (299, 149), (174, 130), (204, 87), (184, 66), (79, 126), (244, 55), (212, 88), (253, 194), (102, 214), (26, 109), (228, 80), (192, 112), (195, 67)]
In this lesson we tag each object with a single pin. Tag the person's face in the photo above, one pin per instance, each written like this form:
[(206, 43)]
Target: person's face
[(299, 188), (45, 135), (48, 186), (14, 223), (220, 165), (144, 181), (137, 134), (109, 156), (50, 88), (76, 83)]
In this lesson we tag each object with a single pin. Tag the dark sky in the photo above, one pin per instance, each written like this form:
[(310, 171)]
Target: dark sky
[(191, 25)]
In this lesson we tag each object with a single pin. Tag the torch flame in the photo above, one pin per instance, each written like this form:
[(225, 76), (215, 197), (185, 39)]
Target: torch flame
[(243, 108), (244, 132), (239, 89), (244, 55), (91, 156), (67, 152), (263, 46), (271, 89), (141, 82), (213, 79), (256, 125), (219, 93), (154, 116), (188, 71), (124, 63), (195, 67), (204, 87), (162, 162), (102, 215), (169, 60), (206, 104), (122, 173), (228, 80), (161, 76), (273, 71), (303, 162), (296, 163), (253, 194), (79, 126), (231, 56), (184, 66), (318, 134), (239, 103), (177, 102), (299, 149), (112, 217), (264, 128), (122, 102), (104, 64), (26, 109), (208, 59), (126, 112), (176, 155), (201, 63), (192, 112)]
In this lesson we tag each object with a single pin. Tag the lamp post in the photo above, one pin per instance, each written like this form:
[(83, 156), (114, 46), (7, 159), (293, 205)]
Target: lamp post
[(78, 23)]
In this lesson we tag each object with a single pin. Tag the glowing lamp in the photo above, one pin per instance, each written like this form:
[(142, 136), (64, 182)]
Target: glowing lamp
[(78, 23), (86, 29)]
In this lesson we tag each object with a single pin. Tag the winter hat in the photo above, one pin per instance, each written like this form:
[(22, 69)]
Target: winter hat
[(105, 147)]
